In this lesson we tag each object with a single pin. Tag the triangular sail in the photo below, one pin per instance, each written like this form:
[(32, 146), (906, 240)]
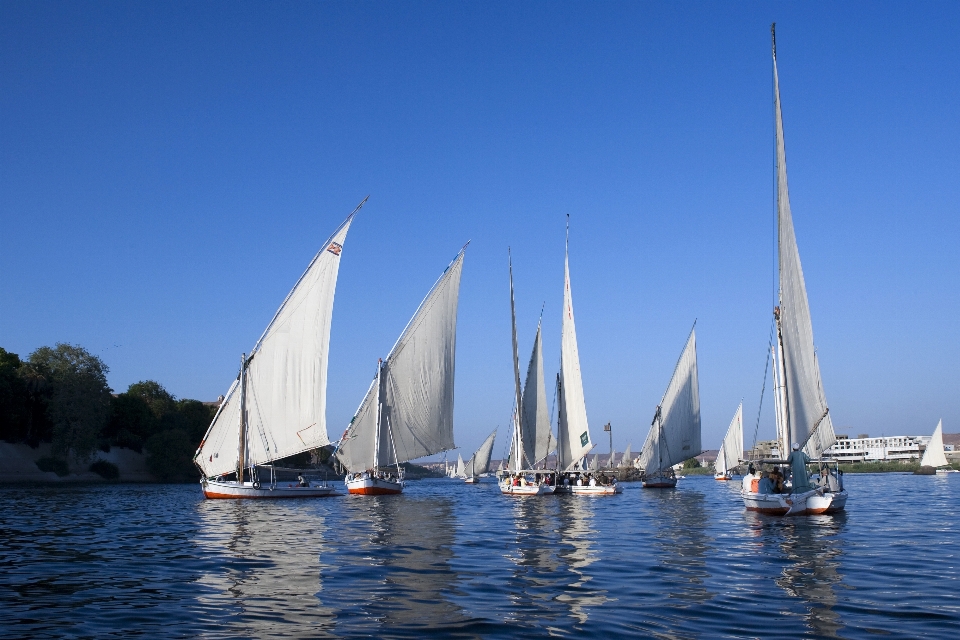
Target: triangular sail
[(286, 394), (732, 448), (675, 433), (574, 432), (415, 387), (479, 462), (626, 460), (806, 406), (461, 468), (595, 462), (535, 417), (934, 455)]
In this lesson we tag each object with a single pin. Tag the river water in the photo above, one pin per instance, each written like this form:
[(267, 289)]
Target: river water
[(447, 559)]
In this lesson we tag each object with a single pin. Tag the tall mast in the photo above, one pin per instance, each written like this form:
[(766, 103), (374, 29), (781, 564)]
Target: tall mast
[(376, 439), (518, 442), (560, 466), (242, 446), (785, 399)]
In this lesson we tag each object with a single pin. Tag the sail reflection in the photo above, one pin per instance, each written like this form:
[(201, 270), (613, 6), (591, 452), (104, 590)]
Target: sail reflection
[(680, 535), (812, 545), (578, 552), (268, 570), (394, 565)]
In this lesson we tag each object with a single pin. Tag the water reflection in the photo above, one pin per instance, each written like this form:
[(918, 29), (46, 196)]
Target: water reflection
[(577, 551), (394, 565), (534, 583), (680, 535), (270, 571), (813, 546)]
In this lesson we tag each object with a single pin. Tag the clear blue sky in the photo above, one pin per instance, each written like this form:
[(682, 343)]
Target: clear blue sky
[(168, 169)]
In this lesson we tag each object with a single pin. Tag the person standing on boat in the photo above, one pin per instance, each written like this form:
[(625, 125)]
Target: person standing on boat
[(798, 461)]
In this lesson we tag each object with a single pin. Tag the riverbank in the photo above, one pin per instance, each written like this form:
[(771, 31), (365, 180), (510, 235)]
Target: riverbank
[(18, 464)]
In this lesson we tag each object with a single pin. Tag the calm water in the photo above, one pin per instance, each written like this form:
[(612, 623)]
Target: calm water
[(448, 559)]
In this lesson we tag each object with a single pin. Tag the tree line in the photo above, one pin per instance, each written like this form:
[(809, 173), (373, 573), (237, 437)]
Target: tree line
[(60, 395)]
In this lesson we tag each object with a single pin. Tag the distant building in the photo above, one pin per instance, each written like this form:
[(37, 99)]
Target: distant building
[(883, 449)]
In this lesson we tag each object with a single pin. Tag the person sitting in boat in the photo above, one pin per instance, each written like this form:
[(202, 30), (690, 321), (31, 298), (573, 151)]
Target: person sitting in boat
[(303, 482), (593, 481), (798, 461), (566, 481), (765, 485), (828, 481), (579, 480), (776, 479)]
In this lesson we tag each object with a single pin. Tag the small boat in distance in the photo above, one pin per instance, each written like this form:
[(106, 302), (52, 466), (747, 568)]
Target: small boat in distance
[(479, 462), (934, 456), (728, 458), (276, 407), (674, 434), (407, 412), (800, 405)]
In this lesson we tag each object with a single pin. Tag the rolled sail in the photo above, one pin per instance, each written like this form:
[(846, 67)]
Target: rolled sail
[(675, 435), (416, 387), (807, 415), (286, 375)]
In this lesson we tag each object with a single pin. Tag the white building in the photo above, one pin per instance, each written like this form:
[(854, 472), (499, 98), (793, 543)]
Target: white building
[(887, 448)]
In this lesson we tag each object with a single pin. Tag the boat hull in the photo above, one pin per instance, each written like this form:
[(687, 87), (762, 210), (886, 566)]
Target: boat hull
[(215, 489), (944, 472), (598, 490), (814, 502), (472, 481), (374, 487), (526, 489), (722, 477)]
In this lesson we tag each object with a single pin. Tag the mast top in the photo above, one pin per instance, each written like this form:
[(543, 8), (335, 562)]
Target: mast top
[(773, 38)]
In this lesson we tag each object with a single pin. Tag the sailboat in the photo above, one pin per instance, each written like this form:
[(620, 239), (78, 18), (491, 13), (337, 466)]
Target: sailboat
[(407, 412), (728, 458), (531, 422), (934, 455), (479, 462), (573, 431), (674, 434), (276, 407), (802, 414), (626, 460)]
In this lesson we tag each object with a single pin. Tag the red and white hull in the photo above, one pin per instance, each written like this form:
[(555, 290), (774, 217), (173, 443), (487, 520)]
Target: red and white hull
[(805, 504), (366, 486), (232, 490), (598, 490), (722, 476)]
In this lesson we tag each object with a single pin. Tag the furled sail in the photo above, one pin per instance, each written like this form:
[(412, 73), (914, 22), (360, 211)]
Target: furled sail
[(414, 387), (286, 375), (574, 432), (675, 433), (626, 460), (806, 406), (479, 462), (934, 456), (732, 448)]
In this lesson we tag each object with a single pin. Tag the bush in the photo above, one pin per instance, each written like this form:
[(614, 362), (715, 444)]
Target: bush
[(106, 470), (58, 466), (692, 463)]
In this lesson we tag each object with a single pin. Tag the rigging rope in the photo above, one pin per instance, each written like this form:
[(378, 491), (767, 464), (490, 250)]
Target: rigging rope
[(766, 368)]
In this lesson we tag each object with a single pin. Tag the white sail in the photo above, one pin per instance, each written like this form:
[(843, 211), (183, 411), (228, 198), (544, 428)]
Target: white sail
[(806, 406), (626, 461), (535, 417), (286, 376), (573, 431), (461, 468), (732, 447), (675, 433), (934, 456), (595, 462), (479, 462), (414, 387)]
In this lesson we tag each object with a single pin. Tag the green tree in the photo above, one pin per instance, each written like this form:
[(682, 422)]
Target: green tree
[(196, 417), (691, 463), (14, 399), (131, 422), (170, 456), (79, 405)]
